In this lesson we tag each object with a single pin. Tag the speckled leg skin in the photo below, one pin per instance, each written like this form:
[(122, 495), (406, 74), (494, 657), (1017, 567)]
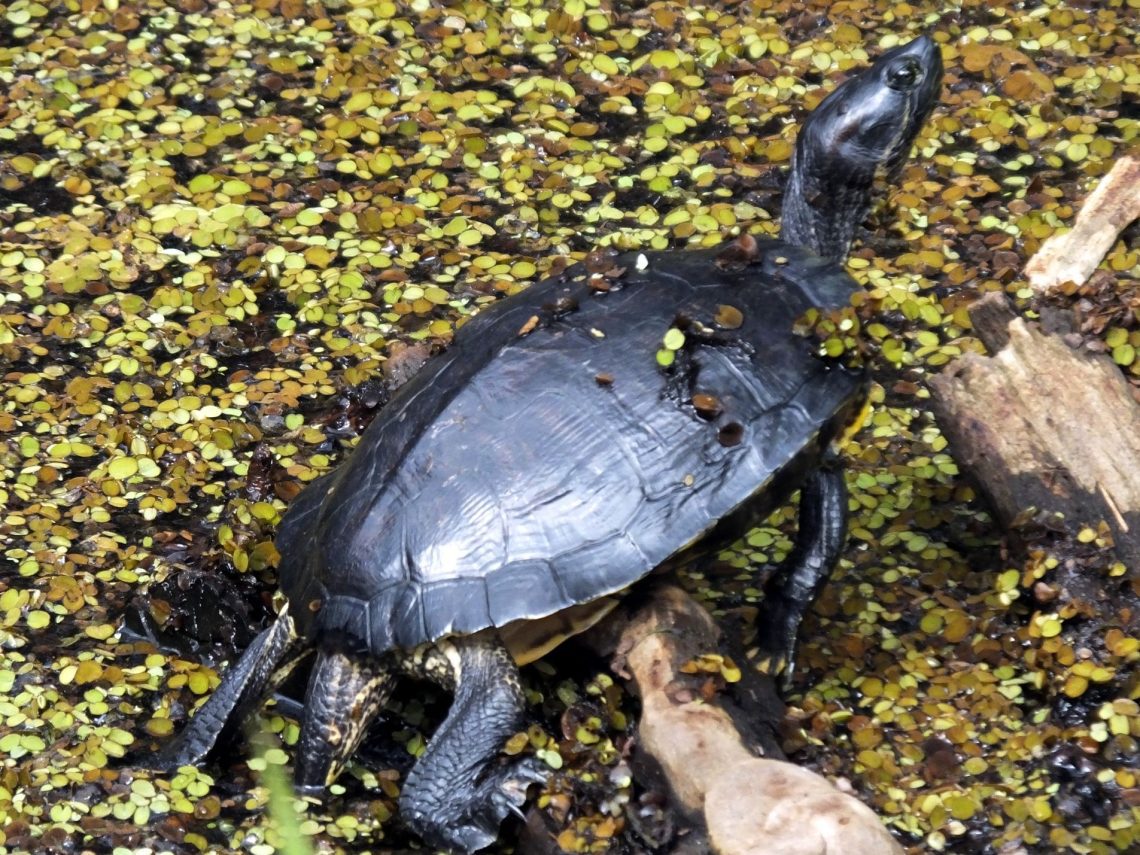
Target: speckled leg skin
[(455, 797), (819, 542), (344, 695), (234, 700)]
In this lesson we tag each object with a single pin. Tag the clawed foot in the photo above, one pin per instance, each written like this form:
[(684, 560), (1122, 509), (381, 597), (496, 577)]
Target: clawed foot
[(163, 761), (507, 791), (777, 626), (476, 823), (186, 749)]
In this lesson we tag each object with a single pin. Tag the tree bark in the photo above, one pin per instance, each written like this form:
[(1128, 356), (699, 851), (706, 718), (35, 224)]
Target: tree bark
[(1044, 429)]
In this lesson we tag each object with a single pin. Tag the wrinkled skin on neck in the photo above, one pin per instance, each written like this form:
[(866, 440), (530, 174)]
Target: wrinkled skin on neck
[(862, 131)]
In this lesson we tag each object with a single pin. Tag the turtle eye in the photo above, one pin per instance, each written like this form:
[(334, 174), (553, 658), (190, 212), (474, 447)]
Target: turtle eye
[(904, 75)]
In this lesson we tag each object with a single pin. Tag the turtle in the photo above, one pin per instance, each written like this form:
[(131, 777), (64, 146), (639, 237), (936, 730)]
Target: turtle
[(622, 415)]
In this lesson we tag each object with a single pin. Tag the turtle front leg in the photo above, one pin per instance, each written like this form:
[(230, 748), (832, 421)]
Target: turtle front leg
[(239, 694), (455, 797), (819, 542)]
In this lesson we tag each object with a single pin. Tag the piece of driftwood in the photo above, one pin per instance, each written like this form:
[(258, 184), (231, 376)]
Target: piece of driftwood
[(749, 804), (1074, 255), (1043, 427)]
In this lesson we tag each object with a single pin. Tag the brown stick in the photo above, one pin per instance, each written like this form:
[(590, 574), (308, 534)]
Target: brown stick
[(1074, 255), (749, 804)]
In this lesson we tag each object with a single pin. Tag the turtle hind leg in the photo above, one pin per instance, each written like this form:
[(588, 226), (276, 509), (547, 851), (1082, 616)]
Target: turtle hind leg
[(456, 796), (344, 695), (239, 694), (790, 592)]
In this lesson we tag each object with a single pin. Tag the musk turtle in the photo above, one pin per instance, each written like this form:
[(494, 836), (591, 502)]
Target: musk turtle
[(548, 460)]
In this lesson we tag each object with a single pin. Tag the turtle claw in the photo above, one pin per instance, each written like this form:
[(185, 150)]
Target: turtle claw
[(503, 791), (778, 667), (779, 622), (166, 762)]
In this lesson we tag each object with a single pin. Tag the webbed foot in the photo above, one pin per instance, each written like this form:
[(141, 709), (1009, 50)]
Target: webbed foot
[(475, 825)]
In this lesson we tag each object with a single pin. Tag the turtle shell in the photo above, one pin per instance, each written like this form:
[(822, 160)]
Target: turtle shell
[(547, 459)]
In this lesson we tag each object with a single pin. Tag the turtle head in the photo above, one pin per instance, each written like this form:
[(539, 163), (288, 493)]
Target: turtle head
[(863, 131)]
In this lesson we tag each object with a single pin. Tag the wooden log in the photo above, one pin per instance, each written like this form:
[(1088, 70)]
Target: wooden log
[(748, 803), (1040, 426), (1074, 255)]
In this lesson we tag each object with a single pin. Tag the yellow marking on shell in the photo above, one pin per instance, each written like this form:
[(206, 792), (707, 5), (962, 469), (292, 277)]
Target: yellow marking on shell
[(529, 640), (854, 426)]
